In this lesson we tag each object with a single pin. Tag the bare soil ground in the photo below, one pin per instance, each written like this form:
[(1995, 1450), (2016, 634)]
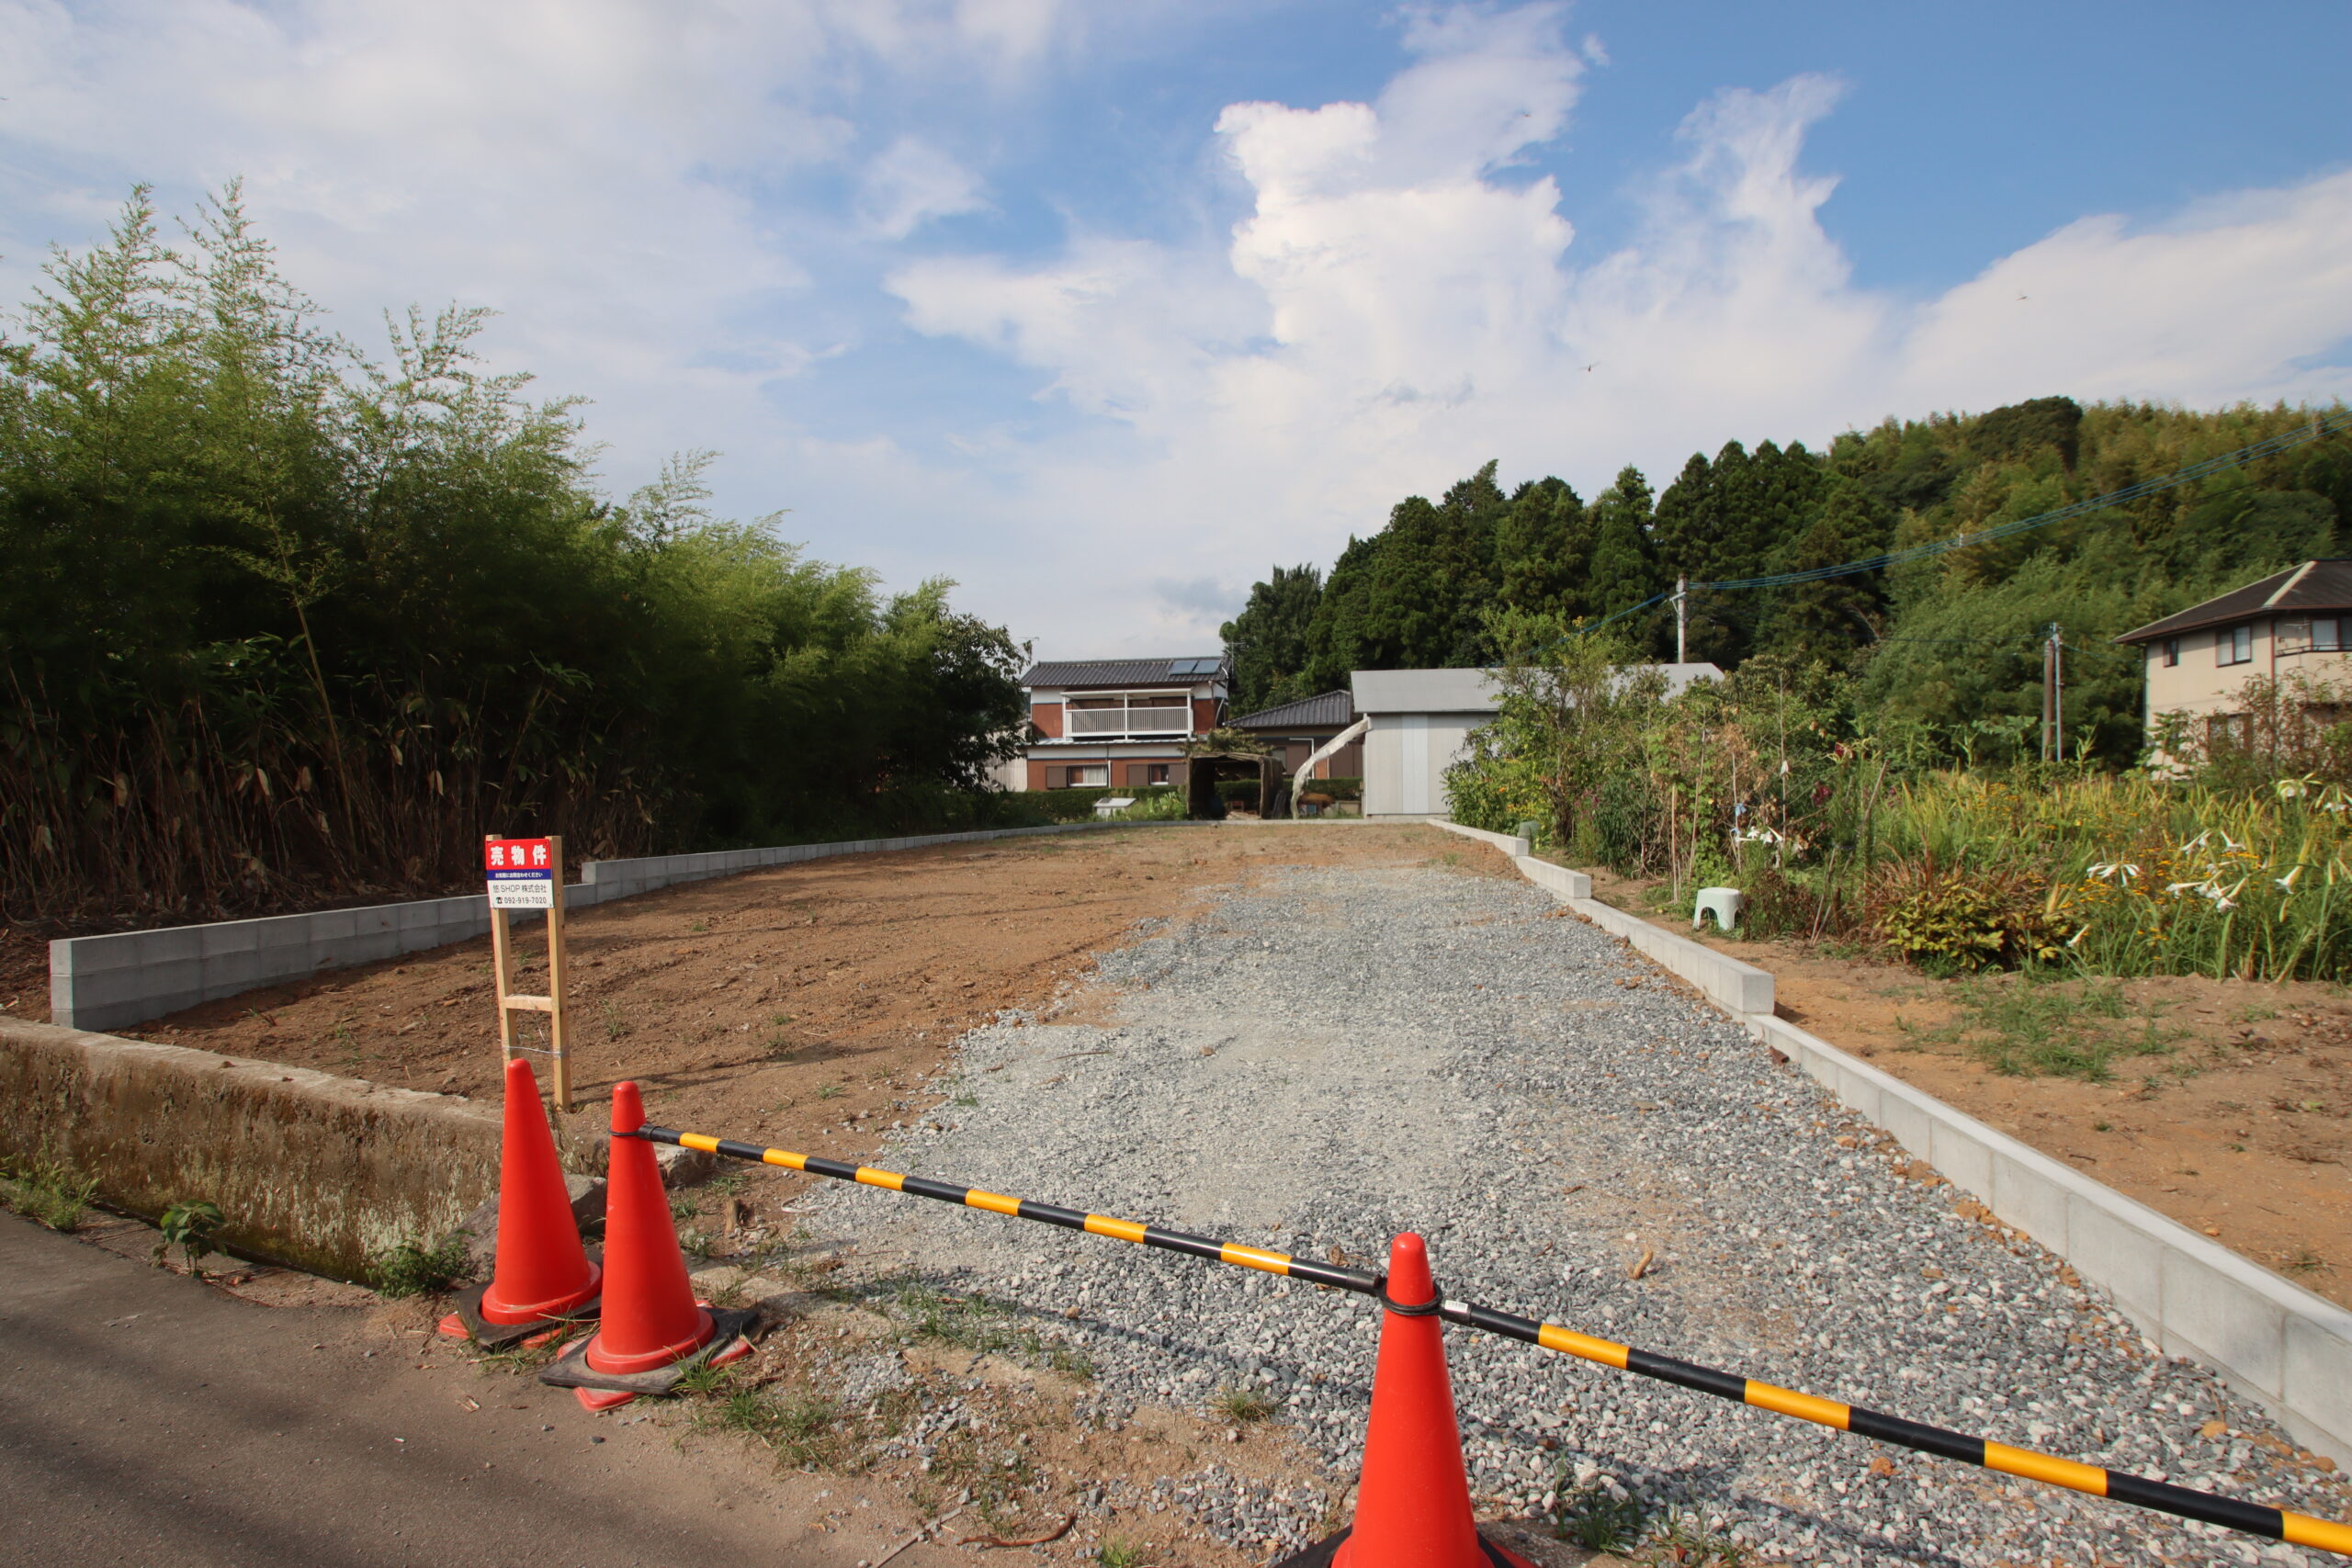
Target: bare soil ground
[(805, 1006), (800, 1005), (2225, 1105)]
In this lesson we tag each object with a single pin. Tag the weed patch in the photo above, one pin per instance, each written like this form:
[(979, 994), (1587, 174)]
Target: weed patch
[(2023, 1026), (45, 1192), (1596, 1519), (413, 1269)]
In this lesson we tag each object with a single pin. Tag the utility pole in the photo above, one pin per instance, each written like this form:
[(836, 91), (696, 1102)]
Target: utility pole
[(2049, 693), (2053, 695), (2057, 692), (1681, 620)]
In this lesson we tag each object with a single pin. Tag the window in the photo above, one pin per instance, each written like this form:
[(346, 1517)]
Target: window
[(2229, 731), (2327, 635), (1158, 773), (2169, 651), (2234, 645), (2318, 634), (1093, 776)]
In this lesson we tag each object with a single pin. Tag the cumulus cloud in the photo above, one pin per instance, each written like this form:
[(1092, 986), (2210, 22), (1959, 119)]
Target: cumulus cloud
[(1396, 307)]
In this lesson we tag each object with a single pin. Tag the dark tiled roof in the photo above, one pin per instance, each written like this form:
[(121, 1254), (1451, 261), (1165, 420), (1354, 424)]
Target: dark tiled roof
[(2314, 585), (1332, 710), (1180, 671)]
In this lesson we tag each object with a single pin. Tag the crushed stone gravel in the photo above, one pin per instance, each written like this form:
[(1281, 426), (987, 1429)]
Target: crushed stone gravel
[(1336, 1056)]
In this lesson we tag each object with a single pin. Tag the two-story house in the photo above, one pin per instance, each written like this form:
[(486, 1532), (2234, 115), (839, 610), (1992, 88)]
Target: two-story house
[(1122, 723), (2198, 661)]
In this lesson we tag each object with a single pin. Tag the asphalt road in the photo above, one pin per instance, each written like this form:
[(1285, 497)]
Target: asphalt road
[(145, 1418)]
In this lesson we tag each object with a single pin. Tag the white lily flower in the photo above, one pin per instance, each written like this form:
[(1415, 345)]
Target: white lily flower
[(2287, 883)]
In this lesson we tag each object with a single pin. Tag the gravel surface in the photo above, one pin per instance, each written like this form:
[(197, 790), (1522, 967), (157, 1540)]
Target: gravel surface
[(1343, 1054)]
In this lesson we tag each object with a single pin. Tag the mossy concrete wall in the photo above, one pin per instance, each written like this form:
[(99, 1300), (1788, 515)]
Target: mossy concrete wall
[(319, 1172)]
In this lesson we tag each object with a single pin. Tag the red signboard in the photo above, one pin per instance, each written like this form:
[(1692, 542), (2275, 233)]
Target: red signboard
[(522, 873)]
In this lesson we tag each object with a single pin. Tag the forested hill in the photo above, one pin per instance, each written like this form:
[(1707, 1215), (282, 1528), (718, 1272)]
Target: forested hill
[(1944, 641)]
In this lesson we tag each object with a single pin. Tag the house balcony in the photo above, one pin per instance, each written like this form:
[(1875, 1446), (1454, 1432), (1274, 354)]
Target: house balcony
[(1105, 724)]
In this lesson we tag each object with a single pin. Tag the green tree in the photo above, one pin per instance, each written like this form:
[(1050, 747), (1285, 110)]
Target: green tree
[(1544, 548), (1624, 568), (1268, 641)]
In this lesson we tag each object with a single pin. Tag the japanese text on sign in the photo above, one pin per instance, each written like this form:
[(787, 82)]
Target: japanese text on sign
[(523, 872)]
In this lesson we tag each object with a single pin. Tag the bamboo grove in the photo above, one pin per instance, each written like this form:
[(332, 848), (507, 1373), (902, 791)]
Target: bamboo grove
[(282, 622)]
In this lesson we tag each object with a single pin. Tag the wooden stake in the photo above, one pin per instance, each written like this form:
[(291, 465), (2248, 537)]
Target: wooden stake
[(558, 1017), (510, 1002)]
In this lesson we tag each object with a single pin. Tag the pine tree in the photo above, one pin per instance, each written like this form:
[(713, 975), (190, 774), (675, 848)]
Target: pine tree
[(1624, 565), (1268, 641), (1544, 548)]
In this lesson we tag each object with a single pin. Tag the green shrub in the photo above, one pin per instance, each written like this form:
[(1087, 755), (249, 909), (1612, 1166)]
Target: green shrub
[(1943, 915), (410, 1270)]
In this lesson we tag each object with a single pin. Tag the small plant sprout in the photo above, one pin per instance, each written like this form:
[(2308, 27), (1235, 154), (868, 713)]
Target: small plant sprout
[(190, 1225), (1243, 1406), (1118, 1551)]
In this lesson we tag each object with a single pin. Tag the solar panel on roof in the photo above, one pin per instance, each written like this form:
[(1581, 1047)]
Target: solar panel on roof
[(1193, 667)]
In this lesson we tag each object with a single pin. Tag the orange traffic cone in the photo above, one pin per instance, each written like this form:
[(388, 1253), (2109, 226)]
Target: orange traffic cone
[(652, 1327), (543, 1277), (1413, 1501)]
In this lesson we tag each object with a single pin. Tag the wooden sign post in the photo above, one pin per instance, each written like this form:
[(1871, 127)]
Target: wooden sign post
[(527, 874)]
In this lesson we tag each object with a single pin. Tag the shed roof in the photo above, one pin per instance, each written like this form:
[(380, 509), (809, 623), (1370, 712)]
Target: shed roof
[(2314, 585), (1330, 710), (1128, 671), (1424, 690), (1472, 690)]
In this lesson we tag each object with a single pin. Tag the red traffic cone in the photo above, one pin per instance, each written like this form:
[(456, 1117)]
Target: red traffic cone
[(1413, 1501), (652, 1322), (543, 1275)]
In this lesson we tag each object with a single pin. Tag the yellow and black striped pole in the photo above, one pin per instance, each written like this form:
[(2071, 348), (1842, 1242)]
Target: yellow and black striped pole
[(2271, 1524)]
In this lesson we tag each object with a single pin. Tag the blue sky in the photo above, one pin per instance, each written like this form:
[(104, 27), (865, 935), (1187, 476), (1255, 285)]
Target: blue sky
[(1103, 309)]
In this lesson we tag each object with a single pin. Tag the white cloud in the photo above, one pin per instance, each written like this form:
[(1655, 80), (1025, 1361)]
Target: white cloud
[(1395, 308), (911, 183)]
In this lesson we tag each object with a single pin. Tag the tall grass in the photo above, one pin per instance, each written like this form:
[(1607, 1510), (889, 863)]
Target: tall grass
[(2142, 876)]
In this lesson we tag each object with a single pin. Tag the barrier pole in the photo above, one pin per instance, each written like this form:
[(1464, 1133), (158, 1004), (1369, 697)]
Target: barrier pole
[(2251, 1519)]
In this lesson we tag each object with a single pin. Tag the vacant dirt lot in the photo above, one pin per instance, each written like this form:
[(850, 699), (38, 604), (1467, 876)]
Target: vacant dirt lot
[(800, 1006), (2226, 1104)]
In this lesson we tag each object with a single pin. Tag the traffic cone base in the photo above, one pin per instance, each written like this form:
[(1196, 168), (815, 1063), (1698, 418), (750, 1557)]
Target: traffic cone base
[(595, 1399), (1331, 1551), (1413, 1499), (470, 1321)]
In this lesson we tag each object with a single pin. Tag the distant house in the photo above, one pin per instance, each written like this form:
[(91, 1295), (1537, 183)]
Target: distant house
[(2198, 661), (1120, 722), (1297, 730), (1421, 721)]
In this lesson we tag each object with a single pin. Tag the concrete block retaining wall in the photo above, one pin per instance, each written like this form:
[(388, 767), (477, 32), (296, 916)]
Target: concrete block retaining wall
[(107, 982), (2270, 1339), (308, 1170)]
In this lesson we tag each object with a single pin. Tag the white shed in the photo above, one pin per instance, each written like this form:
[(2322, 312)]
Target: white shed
[(1421, 721)]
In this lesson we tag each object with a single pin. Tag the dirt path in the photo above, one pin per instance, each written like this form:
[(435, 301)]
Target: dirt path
[(2225, 1105)]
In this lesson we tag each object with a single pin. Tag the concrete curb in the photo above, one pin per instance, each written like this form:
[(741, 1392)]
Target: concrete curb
[(322, 1173), (107, 981), (2268, 1337)]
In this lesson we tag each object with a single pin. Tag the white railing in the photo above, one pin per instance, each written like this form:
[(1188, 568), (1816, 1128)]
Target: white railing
[(1175, 720)]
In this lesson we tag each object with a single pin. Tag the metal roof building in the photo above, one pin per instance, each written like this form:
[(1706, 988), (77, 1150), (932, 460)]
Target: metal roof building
[(1421, 721)]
